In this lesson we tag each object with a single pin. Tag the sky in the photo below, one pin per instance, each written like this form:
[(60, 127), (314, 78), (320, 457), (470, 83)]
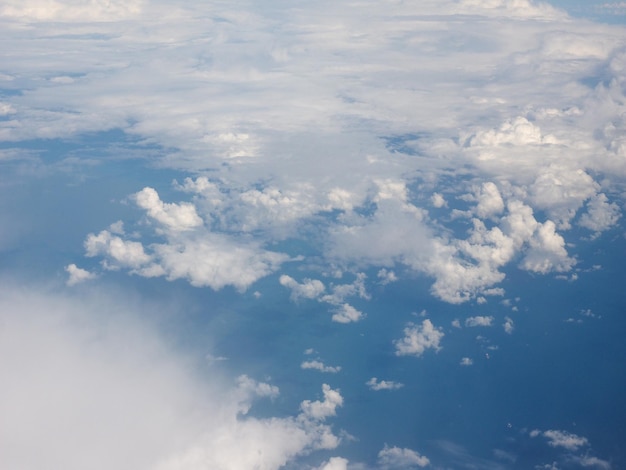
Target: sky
[(362, 235)]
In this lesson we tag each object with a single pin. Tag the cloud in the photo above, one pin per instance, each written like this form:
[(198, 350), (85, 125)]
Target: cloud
[(309, 289), (99, 361), (601, 215), (320, 410), (479, 321), (562, 439), (398, 458), (77, 275), (346, 313), (206, 259), (418, 338), (466, 361), (334, 463), (377, 385), (177, 217), (319, 365), (508, 325), (52, 10)]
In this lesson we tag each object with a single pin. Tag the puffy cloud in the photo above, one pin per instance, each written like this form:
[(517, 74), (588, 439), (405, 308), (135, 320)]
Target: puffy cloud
[(398, 458), (479, 321), (98, 361), (377, 385), (215, 261), (387, 276), (319, 365), (601, 215), (77, 275), (508, 325), (176, 217), (118, 253), (490, 201), (547, 251), (563, 439), (205, 260), (320, 410), (418, 338), (309, 289), (466, 361), (346, 313), (334, 463)]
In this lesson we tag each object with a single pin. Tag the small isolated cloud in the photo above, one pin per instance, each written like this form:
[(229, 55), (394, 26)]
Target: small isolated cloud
[(418, 338), (396, 458), (309, 289), (319, 365), (347, 314), (563, 439), (320, 410), (335, 463), (478, 321), (77, 275), (376, 385), (466, 361), (508, 325), (387, 276), (438, 201), (456, 323)]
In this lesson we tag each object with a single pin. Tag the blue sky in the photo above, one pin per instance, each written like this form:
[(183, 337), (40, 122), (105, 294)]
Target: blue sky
[(312, 235)]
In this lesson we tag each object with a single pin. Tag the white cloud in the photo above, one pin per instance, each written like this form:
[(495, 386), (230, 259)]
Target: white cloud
[(119, 253), (466, 361), (490, 201), (346, 313), (377, 385), (563, 439), (334, 463), (438, 201), (80, 10), (319, 365), (479, 321), (601, 215), (508, 325), (400, 458), (78, 275), (320, 410), (309, 289), (98, 361), (418, 338), (177, 217), (387, 276)]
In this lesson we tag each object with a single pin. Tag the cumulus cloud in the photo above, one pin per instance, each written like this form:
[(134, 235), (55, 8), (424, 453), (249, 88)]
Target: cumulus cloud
[(466, 361), (334, 463), (177, 217), (320, 410), (346, 313), (98, 361), (418, 338), (319, 365), (563, 439), (479, 321), (398, 458), (77, 275), (508, 325), (309, 289), (207, 259), (601, 214), (377, 385)]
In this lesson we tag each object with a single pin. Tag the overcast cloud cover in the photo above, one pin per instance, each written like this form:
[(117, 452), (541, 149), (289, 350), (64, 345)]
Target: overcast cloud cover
[(318, 172)]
